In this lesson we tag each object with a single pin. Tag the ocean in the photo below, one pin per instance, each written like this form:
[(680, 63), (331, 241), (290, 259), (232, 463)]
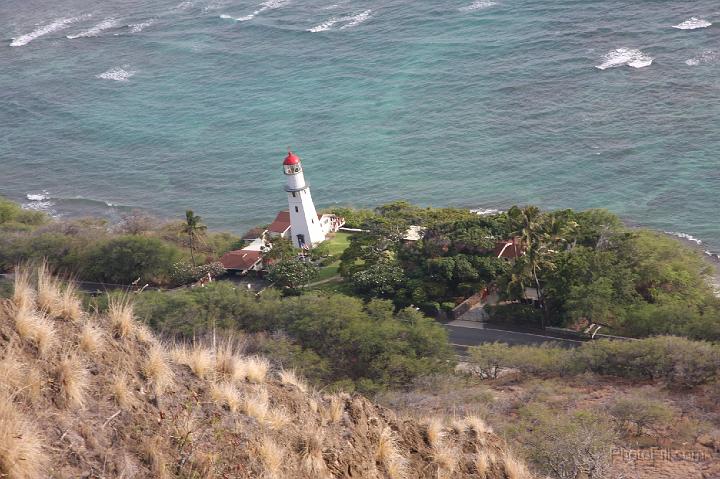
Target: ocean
[(166, 105)]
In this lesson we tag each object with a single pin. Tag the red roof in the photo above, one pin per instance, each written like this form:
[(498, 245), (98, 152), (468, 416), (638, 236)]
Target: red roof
[(291, 159), (241, 260), (281, 223), (509, 249)]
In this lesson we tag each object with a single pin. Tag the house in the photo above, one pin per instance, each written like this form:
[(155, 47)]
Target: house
[(414, 233), (242, 261), (280, 227), (330, 223)]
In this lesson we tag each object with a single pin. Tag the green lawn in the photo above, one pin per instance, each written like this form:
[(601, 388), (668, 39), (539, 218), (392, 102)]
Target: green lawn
[(336, 245)]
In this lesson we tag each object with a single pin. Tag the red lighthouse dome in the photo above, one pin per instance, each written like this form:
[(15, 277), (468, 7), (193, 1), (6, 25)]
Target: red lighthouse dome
[(291, 159)]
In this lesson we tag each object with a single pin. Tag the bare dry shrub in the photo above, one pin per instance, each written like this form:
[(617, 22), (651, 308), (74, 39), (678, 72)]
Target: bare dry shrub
[(24, 294), (37, 328), (225, 394), (121, 392), (121, 316), (91, 338), (72, 379), (157, 370), (256, 369), (271, 457), (289, 376), (22, 453)]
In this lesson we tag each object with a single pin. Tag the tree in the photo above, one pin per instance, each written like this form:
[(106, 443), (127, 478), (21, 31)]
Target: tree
[(194, 228), (282, 249), (379, 280), (124, 259), (292, 274)]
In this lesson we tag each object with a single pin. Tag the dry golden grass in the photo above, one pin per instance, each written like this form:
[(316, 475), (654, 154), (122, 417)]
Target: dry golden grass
[(17, 380), (24, 294), (121, 316), (256, 405), (478, 426), (228, 364), (49, 291), (333, 413), (37, 328), (277, 418), (434, 432), (70, 305), (388, 455), (225, 394), (271, 457), (153, 457), (311, 455), (200, 361), (288, 376), (514, 468), (256, 369), (483, 461), (72, 379), (120, 390), (90, 339), (446, 459), (22, 453), (157, 370)]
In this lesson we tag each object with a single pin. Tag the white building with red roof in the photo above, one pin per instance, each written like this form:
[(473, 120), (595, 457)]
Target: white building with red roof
[(305, 230)]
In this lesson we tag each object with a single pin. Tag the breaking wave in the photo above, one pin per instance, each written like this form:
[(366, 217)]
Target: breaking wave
[(625, 57), (139, 27), (348, 21), (479, 5), (708, 56), (116, 74), (96, 30), (55, 26), (692, 24), (267, 5)]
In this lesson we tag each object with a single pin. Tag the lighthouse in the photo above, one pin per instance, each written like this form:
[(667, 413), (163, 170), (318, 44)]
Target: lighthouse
[(305, 225)]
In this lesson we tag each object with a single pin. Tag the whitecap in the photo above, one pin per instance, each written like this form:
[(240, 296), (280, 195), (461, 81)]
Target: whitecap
[(116, 74), (267, 5), (348, 21), (139, 27), (478, 5), (96, 30), (39, 202), (692, 24), (708, 56), (56, 25), (685, 236), (357, 19), (625, 57)]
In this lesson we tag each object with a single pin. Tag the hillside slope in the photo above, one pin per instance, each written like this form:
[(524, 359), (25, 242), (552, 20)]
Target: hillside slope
[(99, 396)]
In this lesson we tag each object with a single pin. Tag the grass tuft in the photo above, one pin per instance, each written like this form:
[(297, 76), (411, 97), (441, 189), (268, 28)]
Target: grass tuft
[(388, 455), (121, 391), (121, 316), (333, 413), (311, 455), (49, 291), (22, 453), (200, 360), (483, 461), (288, 376), (225, 394), (514, 469), (91, 338), (24, 294), (257, 405), (256, 369), (72, 379), (446, 459), (157, 370), (70, 305), (35, 327), (271, 456), (434, 432)]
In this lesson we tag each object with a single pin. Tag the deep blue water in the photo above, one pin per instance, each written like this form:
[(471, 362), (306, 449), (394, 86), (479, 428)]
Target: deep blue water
[(169, 105)]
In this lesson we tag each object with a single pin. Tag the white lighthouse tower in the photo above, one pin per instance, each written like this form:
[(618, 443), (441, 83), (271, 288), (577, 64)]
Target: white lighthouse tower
[(304, 222)]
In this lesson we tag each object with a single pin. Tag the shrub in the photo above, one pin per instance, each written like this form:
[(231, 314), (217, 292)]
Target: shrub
[(641, 411), (124, 259)]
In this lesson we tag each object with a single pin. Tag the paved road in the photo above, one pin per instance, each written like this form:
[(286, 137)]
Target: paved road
[(462, 336)]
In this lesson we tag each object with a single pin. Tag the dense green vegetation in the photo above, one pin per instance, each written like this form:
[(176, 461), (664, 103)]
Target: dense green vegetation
[(91, 249), (342, 339), (680, 362), (587, 266)]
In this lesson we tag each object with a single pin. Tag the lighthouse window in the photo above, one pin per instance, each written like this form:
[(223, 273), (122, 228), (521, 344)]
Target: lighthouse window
[(293, 194), (296, 209)]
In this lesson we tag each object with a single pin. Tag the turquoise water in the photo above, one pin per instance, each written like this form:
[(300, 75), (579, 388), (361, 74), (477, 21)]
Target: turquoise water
[(167, 106)]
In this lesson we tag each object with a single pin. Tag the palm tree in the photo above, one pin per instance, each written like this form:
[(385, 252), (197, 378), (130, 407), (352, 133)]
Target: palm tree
[(193, 227)]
